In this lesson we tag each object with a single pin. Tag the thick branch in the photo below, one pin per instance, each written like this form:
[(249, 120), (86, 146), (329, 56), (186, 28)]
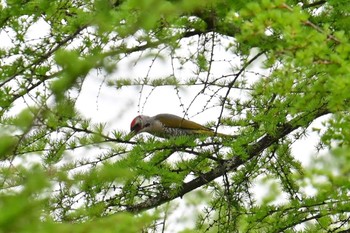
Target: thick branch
[(314, 4)]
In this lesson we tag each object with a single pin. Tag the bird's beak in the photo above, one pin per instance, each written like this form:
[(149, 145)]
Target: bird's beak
[(130, 135)]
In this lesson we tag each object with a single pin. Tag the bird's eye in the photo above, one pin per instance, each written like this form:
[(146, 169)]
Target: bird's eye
[(147, 124)]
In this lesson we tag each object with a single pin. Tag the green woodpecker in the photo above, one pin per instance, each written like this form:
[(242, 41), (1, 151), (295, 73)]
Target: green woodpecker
[(168, 125)]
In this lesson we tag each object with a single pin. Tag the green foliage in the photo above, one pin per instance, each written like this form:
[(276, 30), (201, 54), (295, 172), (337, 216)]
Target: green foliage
[(7, 144), (283, 66), (23, 206)]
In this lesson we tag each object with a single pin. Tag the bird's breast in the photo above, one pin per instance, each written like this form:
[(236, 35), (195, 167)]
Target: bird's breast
[(175, 132)]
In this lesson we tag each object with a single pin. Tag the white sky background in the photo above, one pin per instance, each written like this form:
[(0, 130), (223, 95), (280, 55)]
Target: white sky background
[(118, 107)]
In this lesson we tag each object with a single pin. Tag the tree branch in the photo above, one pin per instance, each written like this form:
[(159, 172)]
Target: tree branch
[(314, 4)]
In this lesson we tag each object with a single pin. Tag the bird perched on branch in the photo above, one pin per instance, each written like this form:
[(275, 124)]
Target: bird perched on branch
[(168, 125)]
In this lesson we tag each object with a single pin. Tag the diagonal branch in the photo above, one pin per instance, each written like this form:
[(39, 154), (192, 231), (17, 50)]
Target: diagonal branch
[(45, 56)]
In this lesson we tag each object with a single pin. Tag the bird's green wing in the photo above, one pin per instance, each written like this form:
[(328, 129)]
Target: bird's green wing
[(173, 121)]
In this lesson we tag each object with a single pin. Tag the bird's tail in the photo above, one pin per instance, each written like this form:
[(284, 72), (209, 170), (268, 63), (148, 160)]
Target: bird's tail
[(227, 136)]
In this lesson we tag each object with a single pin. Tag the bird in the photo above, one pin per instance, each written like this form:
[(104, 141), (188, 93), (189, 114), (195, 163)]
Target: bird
[(168, 125)]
